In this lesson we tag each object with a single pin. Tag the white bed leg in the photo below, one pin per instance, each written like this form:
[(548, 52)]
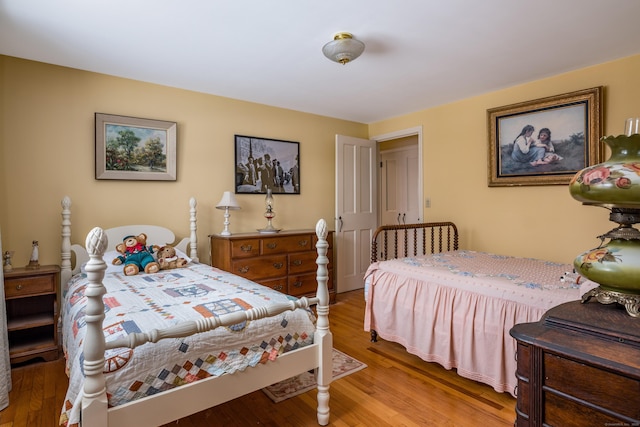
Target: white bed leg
[(322, 334), (94, 392)]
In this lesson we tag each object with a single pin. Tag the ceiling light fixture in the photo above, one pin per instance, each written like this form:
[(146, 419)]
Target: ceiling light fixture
[(343, 48)]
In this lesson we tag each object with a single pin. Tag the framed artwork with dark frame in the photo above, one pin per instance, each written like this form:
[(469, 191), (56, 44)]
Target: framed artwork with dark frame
[(130, 148), (263, 164), (544, 141)]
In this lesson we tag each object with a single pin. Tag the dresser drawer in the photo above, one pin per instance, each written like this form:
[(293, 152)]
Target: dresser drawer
[(260, 268), (559, 411), (29, 286), (306, 284), (279, 284), (302, 262), (601, 388), (302, 284), (279, 245), (245, 248)]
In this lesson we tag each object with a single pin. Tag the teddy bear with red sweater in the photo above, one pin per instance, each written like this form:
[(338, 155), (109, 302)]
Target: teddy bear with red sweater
[(136, 255)]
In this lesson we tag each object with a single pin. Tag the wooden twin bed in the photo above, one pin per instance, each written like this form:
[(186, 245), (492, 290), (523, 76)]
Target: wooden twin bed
[(148, 349), (456, 307)]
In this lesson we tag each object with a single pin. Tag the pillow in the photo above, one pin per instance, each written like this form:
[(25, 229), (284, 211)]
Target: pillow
[(108, 258)]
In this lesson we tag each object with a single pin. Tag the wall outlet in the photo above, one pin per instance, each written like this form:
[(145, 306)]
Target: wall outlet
[(427, 202)]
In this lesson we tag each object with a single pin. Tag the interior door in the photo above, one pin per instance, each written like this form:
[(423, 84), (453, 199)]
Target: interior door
[(356, 209), (399, 198)]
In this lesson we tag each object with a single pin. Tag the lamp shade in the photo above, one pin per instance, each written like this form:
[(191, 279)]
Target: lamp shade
[(343, 48), (228, 201)]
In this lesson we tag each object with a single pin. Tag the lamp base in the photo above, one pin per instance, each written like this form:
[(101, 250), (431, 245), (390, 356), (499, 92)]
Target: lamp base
[(268, 230), (630, 302)]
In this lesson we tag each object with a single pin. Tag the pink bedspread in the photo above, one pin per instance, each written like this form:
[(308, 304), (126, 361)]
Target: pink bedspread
[(456, 308)]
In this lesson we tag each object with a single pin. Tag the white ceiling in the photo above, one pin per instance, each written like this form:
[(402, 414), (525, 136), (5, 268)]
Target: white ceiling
[(419, 53)]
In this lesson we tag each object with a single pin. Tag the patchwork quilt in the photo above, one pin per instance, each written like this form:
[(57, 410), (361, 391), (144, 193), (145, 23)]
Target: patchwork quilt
[(147, 301)]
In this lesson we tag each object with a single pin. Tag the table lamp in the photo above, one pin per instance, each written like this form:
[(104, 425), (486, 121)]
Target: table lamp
[(227, 202)]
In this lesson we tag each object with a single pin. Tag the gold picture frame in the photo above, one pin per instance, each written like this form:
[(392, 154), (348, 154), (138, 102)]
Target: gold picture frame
[(130, 148), (565, 139)]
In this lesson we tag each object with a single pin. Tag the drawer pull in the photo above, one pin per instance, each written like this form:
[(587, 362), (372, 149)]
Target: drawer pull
[(297, 262), (277, 265), (278, 288), (244, 269), (272, 245), (297, 284), (18, 287), (302, 242), (246, 248)]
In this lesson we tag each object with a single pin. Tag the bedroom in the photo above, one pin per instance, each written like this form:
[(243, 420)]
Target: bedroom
[(47, 152)]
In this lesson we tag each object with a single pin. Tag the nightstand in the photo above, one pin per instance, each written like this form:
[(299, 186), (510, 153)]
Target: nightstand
[(32, 312)]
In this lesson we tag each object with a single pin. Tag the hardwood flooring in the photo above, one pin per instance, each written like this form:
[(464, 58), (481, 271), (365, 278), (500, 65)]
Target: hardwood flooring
[(396, 389)]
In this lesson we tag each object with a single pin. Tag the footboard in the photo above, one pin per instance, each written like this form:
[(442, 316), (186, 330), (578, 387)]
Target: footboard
[(397, 241)]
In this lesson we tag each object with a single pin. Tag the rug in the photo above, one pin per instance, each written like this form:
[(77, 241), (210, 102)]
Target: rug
[(343, 365)]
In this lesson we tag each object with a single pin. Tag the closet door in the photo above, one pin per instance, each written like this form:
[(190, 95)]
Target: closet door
[(399, 198), (399, 201)]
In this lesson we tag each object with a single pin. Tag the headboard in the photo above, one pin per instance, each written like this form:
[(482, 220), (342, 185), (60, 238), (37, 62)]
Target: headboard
[(156, 235), (413, 240)]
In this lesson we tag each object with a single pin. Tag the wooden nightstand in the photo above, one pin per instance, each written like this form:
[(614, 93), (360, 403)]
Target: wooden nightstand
[(284, 261), (32, 312)]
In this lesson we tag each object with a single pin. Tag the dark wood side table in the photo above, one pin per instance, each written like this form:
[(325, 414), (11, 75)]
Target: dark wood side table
[(32, 312), (579, 366)]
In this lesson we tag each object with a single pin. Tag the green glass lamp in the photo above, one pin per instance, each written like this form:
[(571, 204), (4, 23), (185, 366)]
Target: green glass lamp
[(615, 185)]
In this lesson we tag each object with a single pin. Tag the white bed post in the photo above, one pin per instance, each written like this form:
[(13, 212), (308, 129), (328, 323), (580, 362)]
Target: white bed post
[(193, 245), (94, 394), (322, 335), (65, 270)]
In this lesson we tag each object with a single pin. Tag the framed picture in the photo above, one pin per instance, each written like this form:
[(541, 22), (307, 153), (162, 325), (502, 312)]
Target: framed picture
[(130, 148), (545, 141), (262, 164)]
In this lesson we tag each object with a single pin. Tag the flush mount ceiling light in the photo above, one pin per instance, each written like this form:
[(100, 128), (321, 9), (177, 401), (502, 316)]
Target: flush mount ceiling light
[(343, 48)]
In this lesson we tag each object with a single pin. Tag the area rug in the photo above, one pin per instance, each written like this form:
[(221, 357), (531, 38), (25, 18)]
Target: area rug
[(343, 365)]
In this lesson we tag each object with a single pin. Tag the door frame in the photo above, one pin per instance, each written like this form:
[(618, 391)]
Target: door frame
[(396, 135)]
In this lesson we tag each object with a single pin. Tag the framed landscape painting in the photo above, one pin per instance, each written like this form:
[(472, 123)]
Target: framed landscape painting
[(544, 141), (131, 148), (263, 164)]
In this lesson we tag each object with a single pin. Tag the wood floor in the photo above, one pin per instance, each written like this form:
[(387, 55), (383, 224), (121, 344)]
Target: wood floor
[(396, 389)]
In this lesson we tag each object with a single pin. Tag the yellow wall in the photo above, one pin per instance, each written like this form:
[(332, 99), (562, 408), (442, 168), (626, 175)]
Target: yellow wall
[(47, 152), (543, 221)]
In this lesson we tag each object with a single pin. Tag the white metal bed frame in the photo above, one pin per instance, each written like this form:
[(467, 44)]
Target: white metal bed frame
[(197, 396)]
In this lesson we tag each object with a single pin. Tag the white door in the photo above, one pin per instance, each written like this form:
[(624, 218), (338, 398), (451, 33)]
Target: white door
[(356, 209), (399, 198)]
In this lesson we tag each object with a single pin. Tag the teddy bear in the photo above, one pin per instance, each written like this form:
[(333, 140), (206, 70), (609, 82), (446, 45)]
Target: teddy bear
[(167, 258), (136, 255)]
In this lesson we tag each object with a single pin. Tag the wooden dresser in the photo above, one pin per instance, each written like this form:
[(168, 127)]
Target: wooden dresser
[(579, 366), (284, 261)]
